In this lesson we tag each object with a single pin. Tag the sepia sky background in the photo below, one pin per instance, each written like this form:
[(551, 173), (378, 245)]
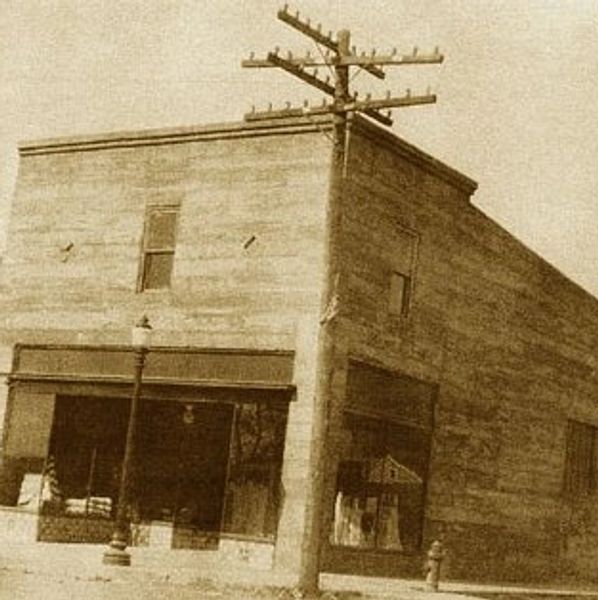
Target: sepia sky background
[(518, 91)]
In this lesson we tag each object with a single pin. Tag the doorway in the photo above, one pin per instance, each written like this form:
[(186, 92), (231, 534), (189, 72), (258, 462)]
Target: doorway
[(183, 456)]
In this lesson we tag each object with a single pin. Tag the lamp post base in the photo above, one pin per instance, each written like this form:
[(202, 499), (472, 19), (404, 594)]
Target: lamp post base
[(116, 554)]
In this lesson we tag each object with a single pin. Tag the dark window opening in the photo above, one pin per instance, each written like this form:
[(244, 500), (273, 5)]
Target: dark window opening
[(380, 487), (86, 448), (80, 485), (581, 475), (253, 491), (398, 302), (158, 248), (182, 458), (385, 451), (200, 469)]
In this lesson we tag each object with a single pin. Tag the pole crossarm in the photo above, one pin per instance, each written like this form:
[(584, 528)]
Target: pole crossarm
[(288, 66), (378, 116), (373, 60), (374, 70), (367, 106), (264, 63), (306, 28), (371, 108), (310, 61), (286, 113), (282, 113), (316, 34), (397, 102), (353, 60)]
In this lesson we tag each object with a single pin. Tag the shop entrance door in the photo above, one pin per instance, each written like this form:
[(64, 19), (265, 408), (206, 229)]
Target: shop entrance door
[(183, 462)]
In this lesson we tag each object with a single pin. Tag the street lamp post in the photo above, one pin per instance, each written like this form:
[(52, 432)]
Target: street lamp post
[(116, 553)]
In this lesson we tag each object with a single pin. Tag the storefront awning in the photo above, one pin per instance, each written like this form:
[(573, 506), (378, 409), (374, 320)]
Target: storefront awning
[(390, 396), (42, 373), (255, 369)]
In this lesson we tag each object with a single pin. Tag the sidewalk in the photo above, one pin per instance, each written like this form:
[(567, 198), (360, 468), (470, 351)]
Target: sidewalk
[(83, 562), (451, 589)]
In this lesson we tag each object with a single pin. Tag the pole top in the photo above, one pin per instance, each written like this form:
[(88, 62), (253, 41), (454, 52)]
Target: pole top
[(343, 38)]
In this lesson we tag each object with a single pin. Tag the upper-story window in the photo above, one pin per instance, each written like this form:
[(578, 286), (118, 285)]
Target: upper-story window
[(403, 251), (158, 247), (581, 474), (398, 302)]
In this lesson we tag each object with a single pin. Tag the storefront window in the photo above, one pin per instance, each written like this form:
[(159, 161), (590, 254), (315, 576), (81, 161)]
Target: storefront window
[(380, 487), (201, 468), (81, 475), (252, 497), (86, 450), (182, 461)]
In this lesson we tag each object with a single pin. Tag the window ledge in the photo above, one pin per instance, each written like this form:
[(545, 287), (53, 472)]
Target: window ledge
[(384, 551)]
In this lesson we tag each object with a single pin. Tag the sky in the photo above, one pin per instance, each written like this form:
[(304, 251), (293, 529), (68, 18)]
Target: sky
[(516, 110)]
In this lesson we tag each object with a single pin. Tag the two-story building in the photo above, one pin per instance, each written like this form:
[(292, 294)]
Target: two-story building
[(463, 375)]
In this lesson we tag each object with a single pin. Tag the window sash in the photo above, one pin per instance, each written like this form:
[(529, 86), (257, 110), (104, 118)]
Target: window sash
[(580, 459), (398, 303), (161, 230), (159, 242), (380, 496)]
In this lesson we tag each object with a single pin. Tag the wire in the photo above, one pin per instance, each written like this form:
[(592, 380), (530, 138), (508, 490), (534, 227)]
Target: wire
[(332, 71), (317, 125), (358, 72)]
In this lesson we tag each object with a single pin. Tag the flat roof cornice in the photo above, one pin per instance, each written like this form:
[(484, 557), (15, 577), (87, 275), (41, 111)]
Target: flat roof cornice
[(243, 129), (172, 135)]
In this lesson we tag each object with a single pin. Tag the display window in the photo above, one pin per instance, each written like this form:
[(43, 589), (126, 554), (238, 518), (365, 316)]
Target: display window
[(379, 500), (81, 474), (255, 463), (202, 468)]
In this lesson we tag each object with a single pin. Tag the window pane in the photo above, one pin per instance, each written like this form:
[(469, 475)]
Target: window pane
[(384, 460), (402, 245), (390, 395), (406, 465), (252, 497), (81, 476), (580, 457), (182, 465), (399, 289), (157, 271), (161, 230), (379, 501)]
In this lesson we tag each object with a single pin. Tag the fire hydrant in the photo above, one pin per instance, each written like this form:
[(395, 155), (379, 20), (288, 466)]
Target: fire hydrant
[(435, 557)]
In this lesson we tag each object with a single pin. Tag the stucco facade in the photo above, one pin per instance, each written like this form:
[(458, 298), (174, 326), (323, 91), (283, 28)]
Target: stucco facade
[(470, 352)]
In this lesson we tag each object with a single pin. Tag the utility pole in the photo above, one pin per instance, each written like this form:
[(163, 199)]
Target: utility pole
[(338, 56)]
